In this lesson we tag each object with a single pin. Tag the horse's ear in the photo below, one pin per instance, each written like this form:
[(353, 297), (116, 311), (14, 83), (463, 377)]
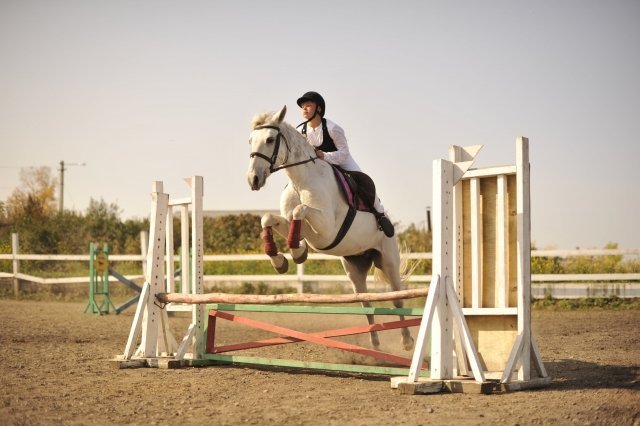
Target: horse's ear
[(281, 114)]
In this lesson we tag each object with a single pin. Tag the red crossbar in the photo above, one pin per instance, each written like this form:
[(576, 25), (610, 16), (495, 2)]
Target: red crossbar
[(318, 338)]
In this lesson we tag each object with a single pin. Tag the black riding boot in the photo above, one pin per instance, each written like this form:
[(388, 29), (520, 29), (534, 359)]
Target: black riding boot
[(385, 225)]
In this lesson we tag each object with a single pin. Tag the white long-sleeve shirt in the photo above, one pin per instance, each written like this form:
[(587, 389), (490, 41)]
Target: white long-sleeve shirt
[(342, 157)]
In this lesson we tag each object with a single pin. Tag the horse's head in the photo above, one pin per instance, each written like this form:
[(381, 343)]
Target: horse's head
[(268, 148)]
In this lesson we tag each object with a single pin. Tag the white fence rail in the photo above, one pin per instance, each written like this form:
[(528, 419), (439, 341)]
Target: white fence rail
[(556, 285)]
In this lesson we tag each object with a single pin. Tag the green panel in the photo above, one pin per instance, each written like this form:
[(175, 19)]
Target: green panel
[(349, 310), (287, 363)]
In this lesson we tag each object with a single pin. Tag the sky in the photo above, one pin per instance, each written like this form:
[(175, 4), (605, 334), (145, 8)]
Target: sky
[(145, 91)]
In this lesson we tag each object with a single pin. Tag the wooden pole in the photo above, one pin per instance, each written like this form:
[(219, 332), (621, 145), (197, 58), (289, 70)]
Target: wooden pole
[(15, 248), (274, 299)]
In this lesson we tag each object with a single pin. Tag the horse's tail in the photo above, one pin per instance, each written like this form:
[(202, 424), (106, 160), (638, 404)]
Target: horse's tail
[(406, 269)]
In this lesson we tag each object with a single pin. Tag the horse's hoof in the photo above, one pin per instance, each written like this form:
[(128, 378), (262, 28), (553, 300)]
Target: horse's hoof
[(282, 269), (303, 257), (408, 344)]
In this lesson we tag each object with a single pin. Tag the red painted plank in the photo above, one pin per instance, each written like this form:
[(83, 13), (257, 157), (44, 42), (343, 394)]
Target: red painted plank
[(211, 334), (314, 339)]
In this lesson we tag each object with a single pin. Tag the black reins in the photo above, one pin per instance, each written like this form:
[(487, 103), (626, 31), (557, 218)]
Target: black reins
[(272, 160)]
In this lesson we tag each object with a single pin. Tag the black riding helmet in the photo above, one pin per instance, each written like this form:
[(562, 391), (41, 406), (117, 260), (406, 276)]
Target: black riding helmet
[(315, 98)]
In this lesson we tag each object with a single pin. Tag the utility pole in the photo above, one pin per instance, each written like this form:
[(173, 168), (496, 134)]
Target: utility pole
[(61, 203), (62, 169)]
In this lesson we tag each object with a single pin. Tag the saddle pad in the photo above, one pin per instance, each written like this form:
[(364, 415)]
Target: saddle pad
[(348, 189)]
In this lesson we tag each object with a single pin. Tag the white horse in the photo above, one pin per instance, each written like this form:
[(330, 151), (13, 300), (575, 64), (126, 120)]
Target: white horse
[(313, 210)]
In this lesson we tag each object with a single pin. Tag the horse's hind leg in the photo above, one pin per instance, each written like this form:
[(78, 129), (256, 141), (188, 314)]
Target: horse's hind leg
[(357, 268), (389, 266), (279, 224)]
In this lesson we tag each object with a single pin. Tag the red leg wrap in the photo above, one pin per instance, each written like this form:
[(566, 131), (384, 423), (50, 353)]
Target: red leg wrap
[(294, 233), (269, 245)]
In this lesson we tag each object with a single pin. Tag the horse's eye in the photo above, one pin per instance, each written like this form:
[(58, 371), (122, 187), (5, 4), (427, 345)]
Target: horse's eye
[(270, 140)]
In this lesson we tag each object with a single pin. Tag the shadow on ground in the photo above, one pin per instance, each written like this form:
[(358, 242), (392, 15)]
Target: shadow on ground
[(576, 374)]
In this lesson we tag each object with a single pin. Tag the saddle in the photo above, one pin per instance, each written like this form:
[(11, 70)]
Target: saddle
[(357, 187), (360, 192)]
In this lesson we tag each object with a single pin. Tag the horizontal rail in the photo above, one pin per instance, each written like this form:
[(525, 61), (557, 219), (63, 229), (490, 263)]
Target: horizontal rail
[(310, 365), (490, 171), (351, 310), (63, 280), (289, 298), (584, 277), (304, 277), (312, 256), (538, 280), (586, 252), (180, 202), (71, 257), (206, 257)]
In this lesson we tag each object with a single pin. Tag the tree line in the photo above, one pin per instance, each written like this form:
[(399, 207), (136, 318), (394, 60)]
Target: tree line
[(31, 211)]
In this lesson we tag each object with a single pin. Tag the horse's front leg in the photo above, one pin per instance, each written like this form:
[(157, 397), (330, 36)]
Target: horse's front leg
[(295, 239), (271, 222)]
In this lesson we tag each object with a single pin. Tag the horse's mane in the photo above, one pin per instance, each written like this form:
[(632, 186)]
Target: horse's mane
[(261, 119)]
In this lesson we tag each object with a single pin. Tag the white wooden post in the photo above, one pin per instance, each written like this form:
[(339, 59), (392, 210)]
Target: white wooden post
[(524, 254), (15, 249), (197, 249), (185, 264), (425, 328), (476, 243), (442, 335), (457, 154), (155, 270), (502, 244), (171, 284), (300, 275), (151, 320)]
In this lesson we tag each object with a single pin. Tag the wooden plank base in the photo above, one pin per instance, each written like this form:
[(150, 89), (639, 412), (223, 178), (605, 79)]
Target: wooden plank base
[(427, 386), (536, 383), (266, 363), (164, 362), (274, 363)]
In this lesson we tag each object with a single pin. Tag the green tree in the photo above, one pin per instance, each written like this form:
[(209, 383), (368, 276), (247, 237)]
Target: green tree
[(415, 240), (103, 224), (233, 234)]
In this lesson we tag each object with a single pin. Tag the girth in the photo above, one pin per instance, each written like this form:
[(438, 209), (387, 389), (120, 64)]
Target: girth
[(359, 190)]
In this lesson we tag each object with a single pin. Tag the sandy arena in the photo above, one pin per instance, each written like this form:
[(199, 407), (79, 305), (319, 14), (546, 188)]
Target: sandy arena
[(56, 370)]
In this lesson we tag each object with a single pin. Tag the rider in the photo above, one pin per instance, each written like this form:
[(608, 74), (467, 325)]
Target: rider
[(330, 144)]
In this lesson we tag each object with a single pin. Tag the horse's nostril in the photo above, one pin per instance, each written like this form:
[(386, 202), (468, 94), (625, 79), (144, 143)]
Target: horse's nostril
[(255, 181)]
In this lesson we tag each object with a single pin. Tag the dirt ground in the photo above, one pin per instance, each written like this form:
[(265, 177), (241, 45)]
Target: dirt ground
[(55, 370)]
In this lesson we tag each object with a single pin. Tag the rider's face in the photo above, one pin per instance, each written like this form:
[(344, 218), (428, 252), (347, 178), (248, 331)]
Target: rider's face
[(308, 109)]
